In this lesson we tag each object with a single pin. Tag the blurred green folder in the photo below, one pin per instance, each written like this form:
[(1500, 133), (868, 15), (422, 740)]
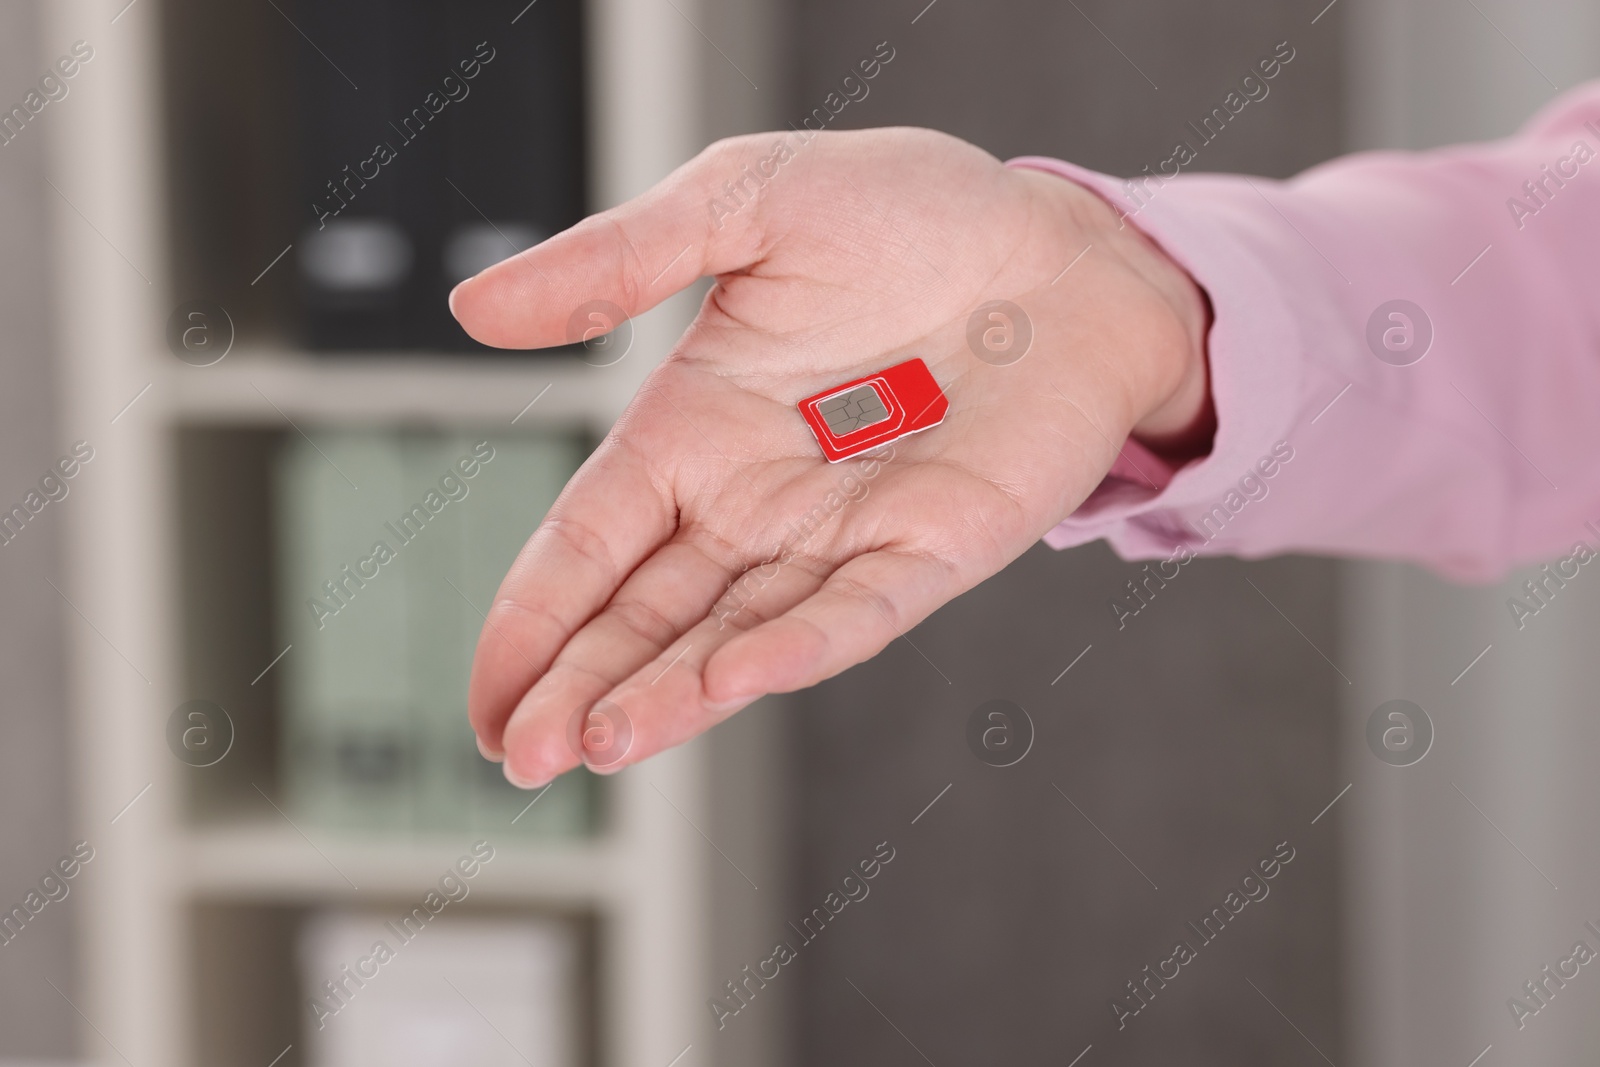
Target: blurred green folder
[(391, 546)]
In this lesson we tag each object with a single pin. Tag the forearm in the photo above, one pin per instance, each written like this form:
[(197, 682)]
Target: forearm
[(1453, 460)]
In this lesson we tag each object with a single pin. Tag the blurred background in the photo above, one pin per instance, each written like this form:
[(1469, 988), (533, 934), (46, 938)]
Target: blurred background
[(234, 754)]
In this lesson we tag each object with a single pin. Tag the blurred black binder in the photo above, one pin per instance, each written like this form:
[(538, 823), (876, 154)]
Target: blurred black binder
[(433, 140)]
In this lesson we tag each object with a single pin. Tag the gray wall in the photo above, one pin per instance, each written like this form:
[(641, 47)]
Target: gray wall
[(35, 825), (1034, 76), (1196, 739)]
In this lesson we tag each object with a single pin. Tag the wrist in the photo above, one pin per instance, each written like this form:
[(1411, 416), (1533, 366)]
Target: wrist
[(1173, 414), (1166, 375), (1180, 420)]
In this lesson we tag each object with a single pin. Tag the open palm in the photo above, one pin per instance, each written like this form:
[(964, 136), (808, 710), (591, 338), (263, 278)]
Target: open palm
[(707, 553)]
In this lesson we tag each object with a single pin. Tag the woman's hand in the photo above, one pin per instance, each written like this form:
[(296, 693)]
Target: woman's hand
[(864, 250)]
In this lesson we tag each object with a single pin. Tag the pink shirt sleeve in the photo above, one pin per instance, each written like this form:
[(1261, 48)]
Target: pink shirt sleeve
[(1405, 356)]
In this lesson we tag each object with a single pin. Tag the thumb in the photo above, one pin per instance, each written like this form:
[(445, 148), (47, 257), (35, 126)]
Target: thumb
[(633, 256)]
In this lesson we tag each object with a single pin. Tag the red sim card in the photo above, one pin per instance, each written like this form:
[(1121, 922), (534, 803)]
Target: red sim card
[(852, 418)]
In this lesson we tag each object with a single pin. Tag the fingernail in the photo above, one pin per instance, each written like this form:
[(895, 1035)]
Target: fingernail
[(453, 294), (486, 753), (521, 782)]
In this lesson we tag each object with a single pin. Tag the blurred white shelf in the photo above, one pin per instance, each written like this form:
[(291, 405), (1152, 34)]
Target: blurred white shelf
[(263, 385), (271, 861), (651, 878)]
